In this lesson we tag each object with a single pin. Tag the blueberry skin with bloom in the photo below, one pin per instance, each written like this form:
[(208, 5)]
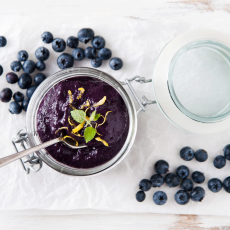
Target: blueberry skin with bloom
[(197, 194), (215, 185), (30, 91), (116, 63), (25, 104), (90, 52), (58, 45), (182, 171), (42, 54), (182, 197), (157, 180), (187, 153), (72, 42), (15, 108), (47, 37), (40, 65), (96, 62), (227, 152), (18, 96), (65, 61), (198, 177), (201, 155), (172, 180), (105, 54), (11, 78), (85, 35), (145, 185), (140, 196), (161, 167), (98, 42), (226, 184), (1, 70), (159, 198), (78, 54), (186, 184), (22, 55), (29, 66), (6, 95), (39, 78), (16, 66), (25, 81), (3, 41), (219, 162)]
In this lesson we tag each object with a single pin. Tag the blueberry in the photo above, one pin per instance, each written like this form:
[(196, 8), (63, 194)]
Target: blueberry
[(90, 52), (197, 194), (98, 42), (58, 45), (15, 108), (201, 155), (11, 78), (18, 96), (25, 81), (30, 91), (115, 63), (198, 177), (157, 180), (85, 35), (227, 152), (161, 167), (140, 196), (40, 65), (22, 55), (3, 41), (29, 66), (159, 198), (226, 184), (145, 185), (215, 185), (187, 153), (186, 184), (219, 162), (42, 54), (47, 37), (1, 70), (25, 104), (78, 54), (96, 62), (182, 197), (39, 78), (16, 66), (65, 61), (72, 42), (172, 180), (182, 171), (6, 95), (105, 53)]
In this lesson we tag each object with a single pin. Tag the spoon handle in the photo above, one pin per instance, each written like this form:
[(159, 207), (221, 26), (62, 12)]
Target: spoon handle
[(16, 156)]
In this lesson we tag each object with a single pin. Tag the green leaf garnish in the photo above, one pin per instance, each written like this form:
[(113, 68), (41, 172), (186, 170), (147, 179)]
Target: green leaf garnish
[(89, 134), (92, 116), (97, 116), (78, 115)]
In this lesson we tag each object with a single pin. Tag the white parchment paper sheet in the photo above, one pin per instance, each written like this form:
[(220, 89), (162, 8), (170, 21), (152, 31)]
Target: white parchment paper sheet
[(138, 42)]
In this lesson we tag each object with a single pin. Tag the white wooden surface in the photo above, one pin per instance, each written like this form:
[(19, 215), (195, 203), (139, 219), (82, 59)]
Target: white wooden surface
[(135, 10)]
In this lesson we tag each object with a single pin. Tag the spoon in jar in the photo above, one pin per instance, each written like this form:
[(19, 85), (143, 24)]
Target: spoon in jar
[(69, 142)]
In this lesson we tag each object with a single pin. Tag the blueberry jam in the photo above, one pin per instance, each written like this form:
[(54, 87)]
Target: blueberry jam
[(54, 111)]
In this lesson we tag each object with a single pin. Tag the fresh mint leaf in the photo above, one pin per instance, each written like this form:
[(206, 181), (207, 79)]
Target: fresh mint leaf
[(89, 134), (97, 116), (78, 115), (92, 116)]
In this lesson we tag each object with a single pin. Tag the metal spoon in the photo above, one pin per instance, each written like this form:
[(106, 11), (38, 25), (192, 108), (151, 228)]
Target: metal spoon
[(16, 156)]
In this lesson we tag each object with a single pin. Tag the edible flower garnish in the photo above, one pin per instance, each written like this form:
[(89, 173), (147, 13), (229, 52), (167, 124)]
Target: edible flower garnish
[(60, 129), (82, 90), (101, 102), (103, 141)]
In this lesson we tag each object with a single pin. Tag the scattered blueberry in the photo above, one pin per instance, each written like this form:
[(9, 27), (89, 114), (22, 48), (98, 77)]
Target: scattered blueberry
[(159, 198), (157, 180), (65, 61), (98, 42), (40, 65), (11, 78), (25, 104), (22, 55), (1, 70), (186, 184), (219, 162), (30, 91), (182, 197), (42, 54), (226, 184), (25, 81), (58, 45), (96, 62), (72, 42), (47, 37), (78, 54), (145, 185), (182, 171), (18, 96), (90, 52), (3, 41), (16, 66), (6, 95), (105, 53), (172, 180), (227, 152), (187, 153), (198, 177), (85, 35), (201, 155), (197, 194), (161, 167), (39, 78), (15, 108), (215, 185), (140, 196), (29, 66), (116, 63)]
